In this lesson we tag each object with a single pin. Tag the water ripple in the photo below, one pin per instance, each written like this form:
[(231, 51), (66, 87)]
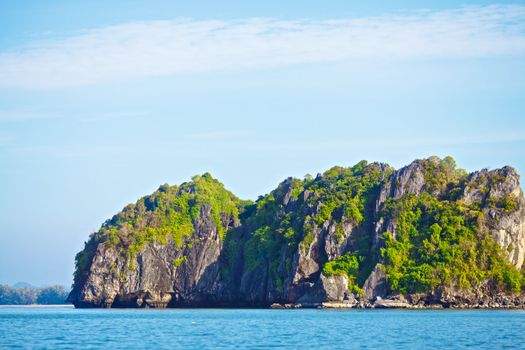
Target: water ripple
[(66, 328)]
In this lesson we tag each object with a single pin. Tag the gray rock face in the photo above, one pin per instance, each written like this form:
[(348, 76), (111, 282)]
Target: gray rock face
[(336, 288), (407, 180), (375, 285), (202, 273), (151, 278), (410, 179), (507, 228)]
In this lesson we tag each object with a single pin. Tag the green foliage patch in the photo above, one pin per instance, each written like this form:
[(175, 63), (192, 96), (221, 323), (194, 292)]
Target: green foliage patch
[(169, 213), (340, 195), (346, 265), (439, 240)]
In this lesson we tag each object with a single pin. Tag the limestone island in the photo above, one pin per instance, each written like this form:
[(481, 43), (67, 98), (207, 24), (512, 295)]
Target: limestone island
[(428, 235)]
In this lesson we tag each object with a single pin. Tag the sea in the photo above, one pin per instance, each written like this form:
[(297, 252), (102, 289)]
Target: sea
[(63, 327)]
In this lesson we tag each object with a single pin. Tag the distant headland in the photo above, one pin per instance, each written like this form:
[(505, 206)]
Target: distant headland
[(23, 293)]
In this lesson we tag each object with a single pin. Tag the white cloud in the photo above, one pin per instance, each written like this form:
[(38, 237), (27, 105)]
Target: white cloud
[(165, 48)]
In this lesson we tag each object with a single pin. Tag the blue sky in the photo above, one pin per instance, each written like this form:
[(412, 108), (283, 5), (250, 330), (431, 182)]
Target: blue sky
[(103, 101)]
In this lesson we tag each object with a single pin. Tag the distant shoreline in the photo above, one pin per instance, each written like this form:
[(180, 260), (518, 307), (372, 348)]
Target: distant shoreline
[(71, 306), (35, 305)]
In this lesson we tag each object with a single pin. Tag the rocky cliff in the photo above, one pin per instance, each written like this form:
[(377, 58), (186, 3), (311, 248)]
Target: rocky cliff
[(426, 234)]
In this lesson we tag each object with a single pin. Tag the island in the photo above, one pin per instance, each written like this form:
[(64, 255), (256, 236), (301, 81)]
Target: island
[(428, 235)]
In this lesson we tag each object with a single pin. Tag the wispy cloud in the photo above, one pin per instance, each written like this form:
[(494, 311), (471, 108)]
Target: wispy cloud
[(160, 48)]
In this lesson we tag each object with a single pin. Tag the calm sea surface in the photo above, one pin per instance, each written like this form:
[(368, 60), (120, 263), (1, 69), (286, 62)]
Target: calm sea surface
[(65, 327)]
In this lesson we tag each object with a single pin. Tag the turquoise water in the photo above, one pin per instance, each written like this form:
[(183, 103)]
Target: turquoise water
[(65, 327)]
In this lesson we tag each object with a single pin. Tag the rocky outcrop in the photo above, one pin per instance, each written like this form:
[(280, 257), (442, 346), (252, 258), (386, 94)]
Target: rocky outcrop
[(506, 211), (159, 275), (407, 180), (375, 285), (274, 252)]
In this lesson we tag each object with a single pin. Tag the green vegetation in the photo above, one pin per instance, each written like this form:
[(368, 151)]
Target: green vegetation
[(507, 203), (177, 262), (32, 295), (342, 195), (440, 173), (83, 260), (346, 265), (345, 192), (352, 193), (168, 214), (439, 240), (275, 230)]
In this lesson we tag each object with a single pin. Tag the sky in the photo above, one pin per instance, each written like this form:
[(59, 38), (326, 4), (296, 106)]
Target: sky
[(103, 101)]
